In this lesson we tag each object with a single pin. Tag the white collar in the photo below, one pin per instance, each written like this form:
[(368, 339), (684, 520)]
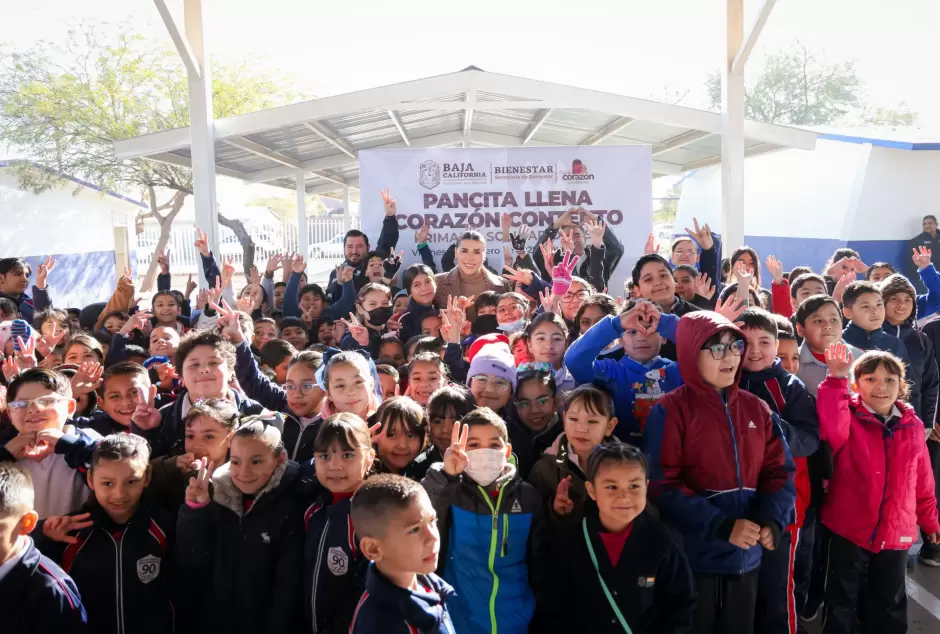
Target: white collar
[(894, 410)]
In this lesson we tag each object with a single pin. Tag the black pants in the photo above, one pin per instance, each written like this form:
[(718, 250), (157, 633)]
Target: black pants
[(885, 597), (803, 565), (726, 603), (816, 592), (933, 450), (775, 610)]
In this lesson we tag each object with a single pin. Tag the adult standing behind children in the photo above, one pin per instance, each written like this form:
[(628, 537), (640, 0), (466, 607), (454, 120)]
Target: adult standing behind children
[(469, 278), (598, 259), (929, 239)]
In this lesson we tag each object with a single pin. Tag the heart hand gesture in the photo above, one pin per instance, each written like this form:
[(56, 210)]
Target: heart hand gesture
[(455, 458)]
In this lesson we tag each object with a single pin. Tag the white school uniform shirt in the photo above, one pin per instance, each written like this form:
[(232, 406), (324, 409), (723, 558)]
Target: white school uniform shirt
[(60, 490)]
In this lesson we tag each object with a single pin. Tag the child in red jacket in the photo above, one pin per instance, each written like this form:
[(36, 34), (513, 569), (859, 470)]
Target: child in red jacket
[(882, 488)]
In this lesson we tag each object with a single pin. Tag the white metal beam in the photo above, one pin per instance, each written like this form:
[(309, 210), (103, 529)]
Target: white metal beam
[(347, 212), (330, 177), (179, 40), (754, 150), (468, 114), (182, 161), (753, 34), (732, 131), (261, 150), (302, 238), (608, 130), (331, 138), (530, 131), (680, 141), (400, 126)]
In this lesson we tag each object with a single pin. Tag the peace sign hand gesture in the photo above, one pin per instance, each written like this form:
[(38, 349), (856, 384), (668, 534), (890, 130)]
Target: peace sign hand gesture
[(455, 458), (26, 356), (356, 330), (548, 254), (197, 493), (561, 273), (228, 320), (43, 271), (702, 235), (391, 208), (146, 416), (202, 243)]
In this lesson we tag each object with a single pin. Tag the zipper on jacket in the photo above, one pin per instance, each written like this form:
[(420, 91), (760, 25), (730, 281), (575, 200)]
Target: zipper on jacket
[(505, 549), (734, 445), (118, 594), (494, 538), (293, 456), (884, 488), (316, 574)]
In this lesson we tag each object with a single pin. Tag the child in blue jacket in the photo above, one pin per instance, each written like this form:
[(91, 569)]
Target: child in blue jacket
[(637, 380)]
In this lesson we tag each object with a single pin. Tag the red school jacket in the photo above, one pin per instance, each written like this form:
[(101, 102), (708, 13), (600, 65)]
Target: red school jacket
[(882, 487)]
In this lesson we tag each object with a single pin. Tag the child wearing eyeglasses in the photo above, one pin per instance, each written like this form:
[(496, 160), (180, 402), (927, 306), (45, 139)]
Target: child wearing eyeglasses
[(39, 403), (720, 472)]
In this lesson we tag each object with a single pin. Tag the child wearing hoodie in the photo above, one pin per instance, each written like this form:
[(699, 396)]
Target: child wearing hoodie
[(639, 379), (481, 500), (720, 472), (881, 489), (864, 307)]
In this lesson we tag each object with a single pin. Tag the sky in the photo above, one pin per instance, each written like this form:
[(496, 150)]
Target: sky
[(631, 47)]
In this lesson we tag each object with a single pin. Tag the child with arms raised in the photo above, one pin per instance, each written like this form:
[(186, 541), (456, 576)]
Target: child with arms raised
[(243, 547), (397, 529), (599, 559), (334, 566), (881, 489), (480, 499), (119, 531)]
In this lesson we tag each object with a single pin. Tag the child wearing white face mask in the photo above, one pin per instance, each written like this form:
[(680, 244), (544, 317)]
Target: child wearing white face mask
[(481, 500)]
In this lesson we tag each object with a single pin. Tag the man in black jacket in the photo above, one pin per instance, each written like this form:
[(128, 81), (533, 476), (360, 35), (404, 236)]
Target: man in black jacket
[(930, 240), (598, 259), (356, 249)]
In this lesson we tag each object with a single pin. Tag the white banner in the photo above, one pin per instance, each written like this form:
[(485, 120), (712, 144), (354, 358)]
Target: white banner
[(457, 189)]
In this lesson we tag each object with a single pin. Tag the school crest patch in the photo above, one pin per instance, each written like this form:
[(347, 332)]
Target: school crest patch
[(148, 568), (337, 560)]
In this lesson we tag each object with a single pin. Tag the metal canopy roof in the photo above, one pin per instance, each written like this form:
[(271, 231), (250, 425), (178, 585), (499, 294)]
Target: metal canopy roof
[(321, 138)]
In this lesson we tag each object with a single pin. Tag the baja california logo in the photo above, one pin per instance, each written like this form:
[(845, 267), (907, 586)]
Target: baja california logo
[(148, 568), (429, 175), (337, 560)]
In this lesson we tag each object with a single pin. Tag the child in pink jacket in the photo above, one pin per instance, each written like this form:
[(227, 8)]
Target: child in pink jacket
[(881, 489)]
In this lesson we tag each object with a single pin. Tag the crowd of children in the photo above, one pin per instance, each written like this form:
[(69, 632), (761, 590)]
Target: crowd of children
[(472, 451)]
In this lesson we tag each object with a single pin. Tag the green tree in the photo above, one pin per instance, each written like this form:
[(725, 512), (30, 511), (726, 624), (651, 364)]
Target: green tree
[(797, 87), (65, 104), (901, 116)]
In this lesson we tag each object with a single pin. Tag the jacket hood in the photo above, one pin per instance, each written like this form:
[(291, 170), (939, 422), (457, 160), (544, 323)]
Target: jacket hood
[(694, 330), (226, 494)]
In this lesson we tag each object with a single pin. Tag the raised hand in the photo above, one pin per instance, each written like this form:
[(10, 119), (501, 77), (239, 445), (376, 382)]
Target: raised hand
[(245, 304), (228, 272), (287, 261), (394, 324), (453, 319), (643, 317), (43, 272), (274, 262), (561, 273), (464, 303), (549, 300), (164, 262), (135, 322), (731, 308), (298, 264), (228, 322), (704, 287), (202, 243), (47, 343), (567, 240), (650, 246), (841, 285), (595, 229), (202, 299), (455, 458), (564, 219), (838, 360), (743, 275), (519, 240), (391, 208), (702, 235), (356, 330), (167, 374), (190, 286), (391, 265), (563, 505), (87, 378), (58, 527), (215, 293), (921, 257), (505, 223), (421, 235), (377, 433), (26, 355), (858, 265), (255, 277), (520, 275), (10, 368), (146, 416), (745, 534), (775, 267), (548, 254), (197, 493)]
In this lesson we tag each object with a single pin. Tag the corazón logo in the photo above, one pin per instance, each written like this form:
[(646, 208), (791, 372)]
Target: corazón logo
[(579, 172)]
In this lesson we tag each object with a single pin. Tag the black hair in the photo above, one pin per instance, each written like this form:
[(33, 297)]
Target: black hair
[(855, 290), (346, 429), (407, 412), (517, 297), (312, 288), (618, 453), (429, 357), (796, 284), (124, 368), (760, 319), (811, 304), (89, 342), (879, 265), (930, 217), (605, 303), (121, 447), (8, 309), (546, 318), (545, 378), (486, 416), (797, 271), (736, 255), (221, 410), (280, 284), (677, 241), (11, 265), (166, 293), (412, 272), (754, 298), (49, 379), (470, 235), (785, 330), (313, 359), (274, 352), (132, 350), (593, 399), (643, 261), (450, 398), (388, 370), (210, 338), (839, 254), (687, 268), (102, 337), (58, 314), (486, 299), (355, 233), (379, 499), (268, 435)]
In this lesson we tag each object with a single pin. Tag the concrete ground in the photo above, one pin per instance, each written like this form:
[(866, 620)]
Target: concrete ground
[(923, 605)]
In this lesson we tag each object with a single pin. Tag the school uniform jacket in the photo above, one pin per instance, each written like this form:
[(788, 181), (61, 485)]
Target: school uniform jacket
[(716, 458), (248, 562), (922, 371), (38, 597), (547, 474), (125, 573), (297, 438), (882, 487), (334, 567), (29, 306), (389, 609), (167, 439), (635, 386), (795, 411), (651, 582), (875, 340), (492, 549)]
